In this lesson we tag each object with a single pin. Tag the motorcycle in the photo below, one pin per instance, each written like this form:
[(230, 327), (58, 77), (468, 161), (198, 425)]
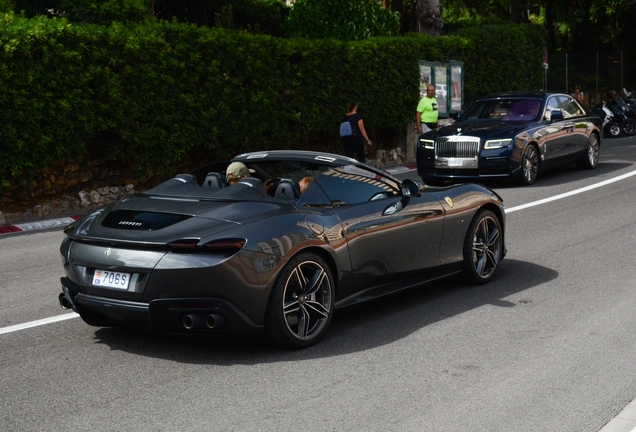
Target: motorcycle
[(628, 127), (629, 98), (610, 126), (618, 118)]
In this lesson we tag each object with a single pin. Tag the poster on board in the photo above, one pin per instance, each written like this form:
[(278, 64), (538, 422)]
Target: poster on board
[(441, 88), (426, 76), (457, 86)]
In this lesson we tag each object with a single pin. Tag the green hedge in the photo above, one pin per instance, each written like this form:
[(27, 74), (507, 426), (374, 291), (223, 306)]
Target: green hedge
[(145, 95)]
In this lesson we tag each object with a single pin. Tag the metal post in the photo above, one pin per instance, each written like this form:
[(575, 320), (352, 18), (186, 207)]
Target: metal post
[(566, 73), (597, 100), (621, 90)]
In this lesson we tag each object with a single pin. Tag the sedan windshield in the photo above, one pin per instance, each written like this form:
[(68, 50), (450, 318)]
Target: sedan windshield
[(519, 110)]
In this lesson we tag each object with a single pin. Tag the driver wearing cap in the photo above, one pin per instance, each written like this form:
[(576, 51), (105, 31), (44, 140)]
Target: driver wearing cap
[(238, 170)]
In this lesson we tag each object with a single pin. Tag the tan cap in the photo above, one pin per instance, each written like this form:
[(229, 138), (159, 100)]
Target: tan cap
[(237, 170)]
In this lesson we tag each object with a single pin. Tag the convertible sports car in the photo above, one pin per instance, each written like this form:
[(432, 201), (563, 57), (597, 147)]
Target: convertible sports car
[(513, 135), (194, 255)]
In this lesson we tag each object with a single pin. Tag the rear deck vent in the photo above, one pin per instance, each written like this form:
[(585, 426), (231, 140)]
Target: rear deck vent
[(141, 220)]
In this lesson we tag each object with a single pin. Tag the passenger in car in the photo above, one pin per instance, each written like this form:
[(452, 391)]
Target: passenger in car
[(303, 183)]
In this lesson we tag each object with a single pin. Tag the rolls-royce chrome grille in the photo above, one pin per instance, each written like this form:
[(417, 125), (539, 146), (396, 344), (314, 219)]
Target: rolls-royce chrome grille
[(457, 147)]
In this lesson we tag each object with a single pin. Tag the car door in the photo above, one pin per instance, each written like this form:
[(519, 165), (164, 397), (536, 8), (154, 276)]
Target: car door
[(574, 125), (554, 140), (389, 236)]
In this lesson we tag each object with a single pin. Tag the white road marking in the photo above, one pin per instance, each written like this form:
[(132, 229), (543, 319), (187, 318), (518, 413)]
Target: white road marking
[(18, 327), (568, 194), (58, 318)]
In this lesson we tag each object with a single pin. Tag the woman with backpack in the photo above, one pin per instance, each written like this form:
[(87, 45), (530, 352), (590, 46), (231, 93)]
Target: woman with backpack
[(352, 133)]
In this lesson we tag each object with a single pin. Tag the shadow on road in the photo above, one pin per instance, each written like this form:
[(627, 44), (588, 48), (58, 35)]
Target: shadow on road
[(353, 329)]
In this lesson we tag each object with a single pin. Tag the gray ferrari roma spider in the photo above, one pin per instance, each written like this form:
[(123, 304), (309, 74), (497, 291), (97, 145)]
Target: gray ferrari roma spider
[(195, 255)]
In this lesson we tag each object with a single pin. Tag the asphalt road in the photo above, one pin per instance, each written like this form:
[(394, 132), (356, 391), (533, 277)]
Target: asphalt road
[(549, 345)]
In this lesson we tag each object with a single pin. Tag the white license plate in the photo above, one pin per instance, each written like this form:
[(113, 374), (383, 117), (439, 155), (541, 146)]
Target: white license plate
[(106, 278), (455, 162)]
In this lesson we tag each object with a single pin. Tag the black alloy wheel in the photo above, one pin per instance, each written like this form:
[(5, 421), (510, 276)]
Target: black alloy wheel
[(590, 160), (301, 303), (629, 127), (483, 247), (529, 165)]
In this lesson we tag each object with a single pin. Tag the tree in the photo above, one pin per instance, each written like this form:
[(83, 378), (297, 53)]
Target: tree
[(516, 12), (429, 17), (342, 19)]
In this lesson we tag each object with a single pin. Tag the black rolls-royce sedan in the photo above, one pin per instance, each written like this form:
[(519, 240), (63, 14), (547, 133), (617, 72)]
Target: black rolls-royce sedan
[(511, 135)]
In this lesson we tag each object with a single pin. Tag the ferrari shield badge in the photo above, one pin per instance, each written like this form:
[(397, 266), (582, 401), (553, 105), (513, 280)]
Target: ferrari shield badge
[(449, 201)]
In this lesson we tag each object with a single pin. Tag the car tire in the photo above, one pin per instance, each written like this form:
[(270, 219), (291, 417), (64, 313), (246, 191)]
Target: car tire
[(529, 165), (590, 159), (628, 128), (483, 248), (301, 304)]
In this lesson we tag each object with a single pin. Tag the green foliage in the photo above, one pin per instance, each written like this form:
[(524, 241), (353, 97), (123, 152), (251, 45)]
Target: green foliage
[(492, 65), (256, 16), (474, 11), (342, 19), (105, 11), (6, 6), (148, 94)]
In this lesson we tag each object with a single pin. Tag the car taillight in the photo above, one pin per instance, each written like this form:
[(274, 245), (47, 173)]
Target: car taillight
[(225, 245), (188, 244)]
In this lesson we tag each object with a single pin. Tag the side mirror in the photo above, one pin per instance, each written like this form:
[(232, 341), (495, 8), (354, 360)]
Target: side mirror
[(556, 115), (414, 187)]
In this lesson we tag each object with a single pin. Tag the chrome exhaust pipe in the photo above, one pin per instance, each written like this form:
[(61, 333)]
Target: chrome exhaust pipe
[(64, 302), (213, 321), (191, 321)]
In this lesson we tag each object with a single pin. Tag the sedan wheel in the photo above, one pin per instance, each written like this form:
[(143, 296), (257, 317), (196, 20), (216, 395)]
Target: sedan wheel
[(590, 160), (301, 303), (529, 165), (483, 247)]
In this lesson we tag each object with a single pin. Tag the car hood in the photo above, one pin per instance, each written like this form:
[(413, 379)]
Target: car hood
[(481, 129), (160, 220)]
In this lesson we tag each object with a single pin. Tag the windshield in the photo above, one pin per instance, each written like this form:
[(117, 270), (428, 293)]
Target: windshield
[(523, 110)]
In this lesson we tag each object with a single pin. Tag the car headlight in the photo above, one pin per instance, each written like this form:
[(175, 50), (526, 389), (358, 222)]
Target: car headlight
[(495, 144), (427, 143)]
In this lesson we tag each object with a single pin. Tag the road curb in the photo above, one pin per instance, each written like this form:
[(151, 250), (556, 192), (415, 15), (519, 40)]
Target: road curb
[(38, 225)]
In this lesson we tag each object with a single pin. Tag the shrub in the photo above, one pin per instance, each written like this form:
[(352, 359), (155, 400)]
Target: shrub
[(146, 95)]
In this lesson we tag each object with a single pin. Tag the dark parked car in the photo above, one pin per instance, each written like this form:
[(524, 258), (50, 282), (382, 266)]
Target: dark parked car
[(194, 255), (511, 135)]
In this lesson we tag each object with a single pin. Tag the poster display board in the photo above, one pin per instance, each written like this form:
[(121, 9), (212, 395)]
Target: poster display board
[(426, 76), (440, 74), (448, 79), (456, 86)]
